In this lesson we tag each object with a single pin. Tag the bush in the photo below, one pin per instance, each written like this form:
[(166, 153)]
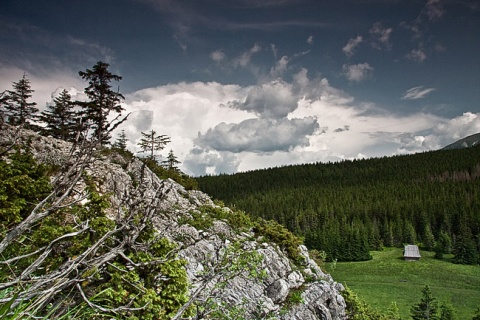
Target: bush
[(280, 235)]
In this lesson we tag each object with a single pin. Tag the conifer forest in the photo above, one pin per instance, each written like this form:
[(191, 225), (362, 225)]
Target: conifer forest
[(349, 208)]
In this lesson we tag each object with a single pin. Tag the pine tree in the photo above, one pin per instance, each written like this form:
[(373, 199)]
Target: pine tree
[(151, 143), (446, 312), (427, 308), (465, 248), (103, 100), (121, 142), (15, 103), (171, 162), (60, 119), (428, 238)]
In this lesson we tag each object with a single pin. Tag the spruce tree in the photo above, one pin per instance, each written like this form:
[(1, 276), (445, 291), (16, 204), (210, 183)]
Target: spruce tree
[(427, 308), (60, 118), (446, 312), (152, 142), (15, 103), (103, 100), (465, 248), (428, 238), (171, 162), (121, 142)]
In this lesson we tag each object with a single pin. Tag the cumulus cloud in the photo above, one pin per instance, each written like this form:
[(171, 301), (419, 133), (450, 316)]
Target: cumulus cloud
[(352, 45), (275, 99), (218, 128), (380, 36), (442, 133), (280, 67), (203, 161), (259, 135), (357, 72), (416, 93)]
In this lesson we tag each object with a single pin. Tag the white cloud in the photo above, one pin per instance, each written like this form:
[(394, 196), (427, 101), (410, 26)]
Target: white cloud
[(217, 55), (310, 40), (380, 36), (259, 135), (357, 72), (352, 45), (416, 93), (417, 55), (218, 128), (280, 67), (44, 85), (442, 133), (244, 59), (275, 99)]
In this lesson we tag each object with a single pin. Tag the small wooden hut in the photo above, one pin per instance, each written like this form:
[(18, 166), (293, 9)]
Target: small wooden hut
[(411, 253)]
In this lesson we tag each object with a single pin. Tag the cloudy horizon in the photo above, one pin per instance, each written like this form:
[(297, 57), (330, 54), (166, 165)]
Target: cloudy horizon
[(245, 85)]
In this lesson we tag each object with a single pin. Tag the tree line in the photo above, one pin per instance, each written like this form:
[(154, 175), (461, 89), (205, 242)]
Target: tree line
[(349, 208), (72, 120)]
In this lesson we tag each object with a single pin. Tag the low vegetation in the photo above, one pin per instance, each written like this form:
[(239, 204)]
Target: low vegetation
[(388, 279)]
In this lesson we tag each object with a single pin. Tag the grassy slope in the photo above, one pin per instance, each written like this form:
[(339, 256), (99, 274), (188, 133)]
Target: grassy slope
[(388, 278)]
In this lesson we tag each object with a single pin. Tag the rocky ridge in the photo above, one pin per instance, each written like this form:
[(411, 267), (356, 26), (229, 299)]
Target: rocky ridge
[(268, 296)]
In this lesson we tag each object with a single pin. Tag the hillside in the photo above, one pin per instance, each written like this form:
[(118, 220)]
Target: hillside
[(349, 208), (466, 142), (89, 232)]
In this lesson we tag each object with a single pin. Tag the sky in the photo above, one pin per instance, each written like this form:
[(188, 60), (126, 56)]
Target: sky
[(240, 85)]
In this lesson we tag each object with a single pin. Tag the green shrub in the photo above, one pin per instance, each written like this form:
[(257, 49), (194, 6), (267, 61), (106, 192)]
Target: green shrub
[(280, 235), (357, 309)]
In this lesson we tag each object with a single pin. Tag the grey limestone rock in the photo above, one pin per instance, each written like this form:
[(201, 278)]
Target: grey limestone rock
[(202, 249)]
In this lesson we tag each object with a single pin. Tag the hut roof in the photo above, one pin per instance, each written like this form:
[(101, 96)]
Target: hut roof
[(411, 251)]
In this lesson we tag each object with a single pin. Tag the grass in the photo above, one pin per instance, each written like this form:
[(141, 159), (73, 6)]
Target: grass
[(387, 278)]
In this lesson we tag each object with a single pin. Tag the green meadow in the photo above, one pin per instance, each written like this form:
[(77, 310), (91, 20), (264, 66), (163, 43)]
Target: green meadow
[(388, 278)]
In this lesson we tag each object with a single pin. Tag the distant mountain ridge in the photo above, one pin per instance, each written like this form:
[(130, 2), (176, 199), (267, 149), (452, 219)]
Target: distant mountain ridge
[(467, 142)]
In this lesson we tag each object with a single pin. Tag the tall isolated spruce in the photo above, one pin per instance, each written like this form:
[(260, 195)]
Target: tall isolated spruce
[(427, 308), (152, 142), (121, 142), (60, 118), (103, 101), (18, 110), (171, 162)]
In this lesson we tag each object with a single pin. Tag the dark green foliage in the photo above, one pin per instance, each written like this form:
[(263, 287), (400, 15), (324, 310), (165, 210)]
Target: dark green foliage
[(15, 103), (357, 309), (427, 308), (103, 100), (477, 315), (446, 312), (61, 120), (22, 184), (171, 162), (186, 181), (280, 235), (421, 198), (148, 276), (465, 248), (121, 142)]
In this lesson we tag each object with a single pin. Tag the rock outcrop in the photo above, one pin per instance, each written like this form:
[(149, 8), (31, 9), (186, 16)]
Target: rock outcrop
[(317, 295)]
